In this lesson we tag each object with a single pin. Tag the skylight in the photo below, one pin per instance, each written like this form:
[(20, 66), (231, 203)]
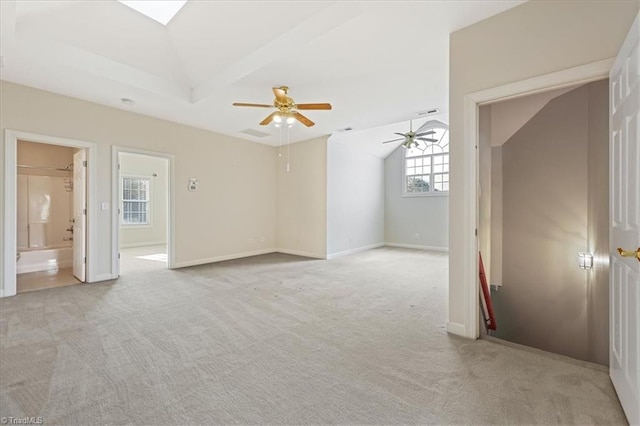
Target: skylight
[(161, 11)]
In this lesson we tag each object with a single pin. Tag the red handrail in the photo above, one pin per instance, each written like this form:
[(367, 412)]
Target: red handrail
[(491, 321)]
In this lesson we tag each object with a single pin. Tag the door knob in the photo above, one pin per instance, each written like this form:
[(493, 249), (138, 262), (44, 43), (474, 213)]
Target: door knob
[(625, 253)]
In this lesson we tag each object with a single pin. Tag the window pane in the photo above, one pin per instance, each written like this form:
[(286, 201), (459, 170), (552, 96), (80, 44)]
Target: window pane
[(411, 162)]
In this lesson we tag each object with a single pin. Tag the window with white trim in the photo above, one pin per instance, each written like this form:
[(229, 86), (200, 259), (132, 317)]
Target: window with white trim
[(426, 165), (135, 200)]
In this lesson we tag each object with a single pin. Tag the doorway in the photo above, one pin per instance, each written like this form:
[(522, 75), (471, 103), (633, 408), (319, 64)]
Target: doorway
[(50, 231), (143, 185), (543, 172)]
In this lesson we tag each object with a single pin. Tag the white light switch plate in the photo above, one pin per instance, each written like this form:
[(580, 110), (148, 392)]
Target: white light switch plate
[(193, 184)]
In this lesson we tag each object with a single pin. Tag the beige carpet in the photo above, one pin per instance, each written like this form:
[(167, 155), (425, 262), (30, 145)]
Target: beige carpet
[(278, 339)]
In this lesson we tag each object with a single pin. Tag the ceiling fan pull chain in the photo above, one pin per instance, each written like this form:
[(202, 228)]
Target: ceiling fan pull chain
[(288, 150), (280, 143)]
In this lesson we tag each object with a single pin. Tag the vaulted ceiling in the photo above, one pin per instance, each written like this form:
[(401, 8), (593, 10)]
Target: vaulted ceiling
[(376, 62)]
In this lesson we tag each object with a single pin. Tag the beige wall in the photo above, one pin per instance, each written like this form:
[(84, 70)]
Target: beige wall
[(156, 170), (44, 155), (302, 199), (535, 38), (232, 213)]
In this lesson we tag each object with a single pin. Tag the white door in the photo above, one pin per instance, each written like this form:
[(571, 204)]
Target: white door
[(79, 214), (624, 176)]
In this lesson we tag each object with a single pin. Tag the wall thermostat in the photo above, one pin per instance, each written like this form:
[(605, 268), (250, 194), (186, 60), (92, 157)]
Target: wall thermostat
[(193, 184)]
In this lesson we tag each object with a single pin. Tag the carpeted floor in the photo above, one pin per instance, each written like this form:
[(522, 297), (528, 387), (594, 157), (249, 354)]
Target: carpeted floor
[(278, 339)]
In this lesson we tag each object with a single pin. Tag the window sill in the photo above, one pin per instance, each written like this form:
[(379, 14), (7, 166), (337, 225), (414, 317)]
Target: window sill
[(135, 225), (425, 194)]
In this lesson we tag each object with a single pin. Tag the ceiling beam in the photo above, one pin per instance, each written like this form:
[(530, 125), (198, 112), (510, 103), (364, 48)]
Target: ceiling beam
[(48, 52), (289, 42)]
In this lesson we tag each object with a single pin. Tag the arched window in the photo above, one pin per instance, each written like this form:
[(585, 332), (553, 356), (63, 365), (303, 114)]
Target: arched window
[(426, 166)]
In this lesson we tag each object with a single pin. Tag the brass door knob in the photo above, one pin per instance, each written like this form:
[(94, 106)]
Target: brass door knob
[(625, 253)]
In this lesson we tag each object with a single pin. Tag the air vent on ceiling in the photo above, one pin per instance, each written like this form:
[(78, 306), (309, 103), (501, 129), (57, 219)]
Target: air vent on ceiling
[(427, 112), (255, 133), (346, 129)]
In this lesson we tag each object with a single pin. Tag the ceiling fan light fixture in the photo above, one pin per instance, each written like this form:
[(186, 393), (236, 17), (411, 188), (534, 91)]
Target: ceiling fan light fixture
[(277, 118), (290, 121)]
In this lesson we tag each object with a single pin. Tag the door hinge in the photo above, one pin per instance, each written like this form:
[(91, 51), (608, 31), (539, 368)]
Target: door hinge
[(84, 260), (118, 166), (118, 255), (476, 232), (84, 163), (84, 211), (118, 210)]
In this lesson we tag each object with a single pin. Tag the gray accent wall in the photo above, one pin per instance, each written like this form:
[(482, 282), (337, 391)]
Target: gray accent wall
[(554, 204), (413, 221), (355, 199), (598, 222)]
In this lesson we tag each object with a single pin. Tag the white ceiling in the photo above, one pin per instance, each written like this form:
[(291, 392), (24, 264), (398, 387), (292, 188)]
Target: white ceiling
[(376, 62)]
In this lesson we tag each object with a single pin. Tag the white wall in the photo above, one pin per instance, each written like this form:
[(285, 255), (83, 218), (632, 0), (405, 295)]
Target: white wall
[(355, 199), (535, 38), (233, 213), (302, 199), (413, 221), (156, 170)]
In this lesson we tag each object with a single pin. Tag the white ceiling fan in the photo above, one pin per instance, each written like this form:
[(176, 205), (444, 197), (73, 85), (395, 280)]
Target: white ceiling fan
[(411, 138)]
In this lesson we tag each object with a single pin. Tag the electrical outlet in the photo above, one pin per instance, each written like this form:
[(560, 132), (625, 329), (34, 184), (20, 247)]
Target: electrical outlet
[(193, 184)]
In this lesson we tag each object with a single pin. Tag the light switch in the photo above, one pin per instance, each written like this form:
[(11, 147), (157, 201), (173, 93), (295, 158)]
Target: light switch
[(193, 184)]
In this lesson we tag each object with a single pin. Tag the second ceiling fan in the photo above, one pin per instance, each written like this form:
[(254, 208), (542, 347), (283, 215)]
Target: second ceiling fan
[(411, 138), (287, 109)]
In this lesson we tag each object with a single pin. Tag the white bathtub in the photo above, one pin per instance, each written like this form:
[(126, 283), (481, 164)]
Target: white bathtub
[(44, 260)]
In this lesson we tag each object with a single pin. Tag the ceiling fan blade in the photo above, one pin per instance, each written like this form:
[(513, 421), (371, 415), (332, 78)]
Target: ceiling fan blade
[(394, 140), (281, 94), (427, 139), (243, 104), (304, 120), (269, 119), (400, 134), (313, 106), (432, 132)]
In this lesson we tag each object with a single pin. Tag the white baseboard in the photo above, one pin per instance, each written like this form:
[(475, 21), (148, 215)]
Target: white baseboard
[(302, 253), (418, 247), (1, 293), (103, 277), (354, 250), (221, 258), (457, 329), (143, 244)]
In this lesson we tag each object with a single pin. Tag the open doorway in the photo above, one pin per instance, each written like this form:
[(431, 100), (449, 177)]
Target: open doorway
[(143, 184), (51, 212), (543, 208)]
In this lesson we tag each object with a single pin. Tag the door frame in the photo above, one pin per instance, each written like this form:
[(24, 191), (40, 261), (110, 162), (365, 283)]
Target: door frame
[(115, 200), (10, 225), (557, 80)]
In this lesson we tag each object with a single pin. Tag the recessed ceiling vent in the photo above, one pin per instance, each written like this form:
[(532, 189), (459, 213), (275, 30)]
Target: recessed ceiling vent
[(427, 112), (346, 129), (255, 133)]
